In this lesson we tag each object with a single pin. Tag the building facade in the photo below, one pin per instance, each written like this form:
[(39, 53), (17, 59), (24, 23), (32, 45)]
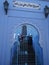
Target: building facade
[(15, 14)]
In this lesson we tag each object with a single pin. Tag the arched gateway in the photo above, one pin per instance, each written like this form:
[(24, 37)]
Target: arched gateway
[(26, 49)]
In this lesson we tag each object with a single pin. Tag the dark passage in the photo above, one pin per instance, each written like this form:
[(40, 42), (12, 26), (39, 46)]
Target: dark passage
[(23, 52), (26, 54)]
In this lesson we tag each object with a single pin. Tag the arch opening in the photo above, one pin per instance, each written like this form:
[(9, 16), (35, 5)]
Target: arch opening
[(26, 46)]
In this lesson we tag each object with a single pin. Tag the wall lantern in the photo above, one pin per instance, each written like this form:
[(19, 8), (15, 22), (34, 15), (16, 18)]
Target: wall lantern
[(46, 11), (6, 4)]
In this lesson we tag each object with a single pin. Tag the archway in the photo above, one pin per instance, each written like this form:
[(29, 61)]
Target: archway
[(22, 34)]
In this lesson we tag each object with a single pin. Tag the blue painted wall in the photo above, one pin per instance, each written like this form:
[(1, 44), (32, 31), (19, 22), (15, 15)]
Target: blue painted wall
[(14, 18)]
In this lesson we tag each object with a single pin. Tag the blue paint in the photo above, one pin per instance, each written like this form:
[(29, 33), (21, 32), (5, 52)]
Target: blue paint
[(31, 30), (14, 18)]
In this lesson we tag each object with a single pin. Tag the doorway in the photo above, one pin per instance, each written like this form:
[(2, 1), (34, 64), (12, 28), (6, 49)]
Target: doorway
[(26, 49)]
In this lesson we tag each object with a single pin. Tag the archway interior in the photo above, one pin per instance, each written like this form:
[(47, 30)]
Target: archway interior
[(31, 30), (27, 37)]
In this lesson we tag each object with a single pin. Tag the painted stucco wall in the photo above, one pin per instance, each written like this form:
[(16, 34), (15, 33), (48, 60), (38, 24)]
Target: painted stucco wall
[(17, 16)]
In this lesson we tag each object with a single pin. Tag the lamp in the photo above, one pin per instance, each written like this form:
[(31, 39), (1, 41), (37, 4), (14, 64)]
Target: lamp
[(46, 11), (6, 4)]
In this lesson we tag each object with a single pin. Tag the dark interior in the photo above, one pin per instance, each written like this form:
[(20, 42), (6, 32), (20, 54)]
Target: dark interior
[(26, 54)]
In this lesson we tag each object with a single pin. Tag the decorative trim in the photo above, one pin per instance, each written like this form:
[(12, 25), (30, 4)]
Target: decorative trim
[(26, 5)]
